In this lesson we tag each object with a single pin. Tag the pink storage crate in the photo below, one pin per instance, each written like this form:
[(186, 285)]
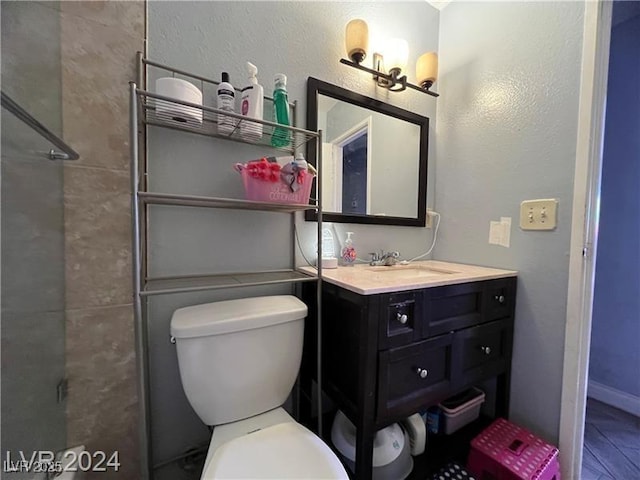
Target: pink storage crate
[(262, 190), (504, 451)]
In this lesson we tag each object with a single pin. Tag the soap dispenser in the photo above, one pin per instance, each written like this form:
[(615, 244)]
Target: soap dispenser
[(348, 251), (251, 106)]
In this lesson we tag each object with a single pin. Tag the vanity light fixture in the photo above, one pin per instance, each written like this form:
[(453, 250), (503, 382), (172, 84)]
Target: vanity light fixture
[(389, 76)]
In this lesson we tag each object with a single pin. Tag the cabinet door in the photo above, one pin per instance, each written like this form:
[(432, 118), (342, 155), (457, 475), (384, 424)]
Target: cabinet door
[(482, 352), (414, 376), (400, 319)]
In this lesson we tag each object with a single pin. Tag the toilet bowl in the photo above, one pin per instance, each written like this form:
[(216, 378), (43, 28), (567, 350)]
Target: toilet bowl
[(269, 446), (238, 361)]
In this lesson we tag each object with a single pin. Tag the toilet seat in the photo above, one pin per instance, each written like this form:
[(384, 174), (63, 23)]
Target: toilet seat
[(283, 451)]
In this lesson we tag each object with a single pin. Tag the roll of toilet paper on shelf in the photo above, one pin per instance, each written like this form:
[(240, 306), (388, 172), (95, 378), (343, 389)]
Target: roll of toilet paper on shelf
[(180, 90)]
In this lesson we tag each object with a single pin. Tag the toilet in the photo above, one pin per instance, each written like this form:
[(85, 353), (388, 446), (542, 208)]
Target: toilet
[(238, 362)]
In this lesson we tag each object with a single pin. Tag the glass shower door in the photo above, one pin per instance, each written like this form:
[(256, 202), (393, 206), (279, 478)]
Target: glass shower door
[(32, 329), (33, 321)]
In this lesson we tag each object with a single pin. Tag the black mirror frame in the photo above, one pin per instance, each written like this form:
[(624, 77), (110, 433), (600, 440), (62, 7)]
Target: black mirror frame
[(315, 87)]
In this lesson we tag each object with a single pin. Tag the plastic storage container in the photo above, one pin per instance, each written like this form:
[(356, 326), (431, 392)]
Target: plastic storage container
[(506, 451), (460, 410), (259, 190)]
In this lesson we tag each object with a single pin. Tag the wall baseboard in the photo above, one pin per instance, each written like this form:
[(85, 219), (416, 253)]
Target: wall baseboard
[(616, 398)]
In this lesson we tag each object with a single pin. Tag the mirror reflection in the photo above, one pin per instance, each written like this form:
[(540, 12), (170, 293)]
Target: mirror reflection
[(373, 157)]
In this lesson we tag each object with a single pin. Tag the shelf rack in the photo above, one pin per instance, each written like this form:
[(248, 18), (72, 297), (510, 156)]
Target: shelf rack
[(144, 113), (209, 124)]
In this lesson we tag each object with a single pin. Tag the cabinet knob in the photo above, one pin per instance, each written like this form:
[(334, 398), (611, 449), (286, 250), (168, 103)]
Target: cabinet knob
[(402, 318), (422, 372), (499, 298), (486, 350)]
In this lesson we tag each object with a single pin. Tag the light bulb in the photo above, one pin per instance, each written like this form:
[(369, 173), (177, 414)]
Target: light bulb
[(427, 69), (357, 40), (396, 54)]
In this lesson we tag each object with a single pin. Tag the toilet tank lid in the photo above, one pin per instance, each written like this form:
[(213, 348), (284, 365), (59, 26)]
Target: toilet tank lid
[(230, 316)]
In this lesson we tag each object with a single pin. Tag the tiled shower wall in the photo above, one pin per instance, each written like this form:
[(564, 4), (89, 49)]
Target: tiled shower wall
[(98, 45)]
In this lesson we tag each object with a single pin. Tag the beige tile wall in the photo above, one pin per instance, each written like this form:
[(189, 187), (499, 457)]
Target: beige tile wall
[(99, 41)]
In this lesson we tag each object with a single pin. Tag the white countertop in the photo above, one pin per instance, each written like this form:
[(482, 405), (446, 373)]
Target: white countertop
[(367, 280)]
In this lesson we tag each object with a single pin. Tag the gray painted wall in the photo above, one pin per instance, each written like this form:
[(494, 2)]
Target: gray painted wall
[(301, 39), (507, 122), (615, 356)]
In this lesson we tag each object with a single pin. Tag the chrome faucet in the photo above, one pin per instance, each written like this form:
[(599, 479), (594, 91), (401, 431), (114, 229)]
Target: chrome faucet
[(388, 259)]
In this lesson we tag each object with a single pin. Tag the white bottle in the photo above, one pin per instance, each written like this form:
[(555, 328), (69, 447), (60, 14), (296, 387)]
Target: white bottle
[(252, 106), (226, 101)]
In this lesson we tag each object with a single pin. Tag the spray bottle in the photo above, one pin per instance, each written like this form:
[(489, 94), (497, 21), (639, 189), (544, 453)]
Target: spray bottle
[(281, 136)]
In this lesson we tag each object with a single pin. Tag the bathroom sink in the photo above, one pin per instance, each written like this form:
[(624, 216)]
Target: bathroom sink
[(407, 271), (369, 280)]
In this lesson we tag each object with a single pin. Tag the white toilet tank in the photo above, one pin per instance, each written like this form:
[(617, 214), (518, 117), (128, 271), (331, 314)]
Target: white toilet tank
[(239, 358)]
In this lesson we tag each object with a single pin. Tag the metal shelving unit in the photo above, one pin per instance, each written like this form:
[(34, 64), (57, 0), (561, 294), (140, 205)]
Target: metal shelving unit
[(143, 113)]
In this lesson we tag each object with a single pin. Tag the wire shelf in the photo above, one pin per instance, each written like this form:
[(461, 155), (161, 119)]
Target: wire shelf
[(166, 112), (153, 198), (195, 283)]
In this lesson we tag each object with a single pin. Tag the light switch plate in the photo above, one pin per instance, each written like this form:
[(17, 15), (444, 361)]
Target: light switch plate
[(538, 214)]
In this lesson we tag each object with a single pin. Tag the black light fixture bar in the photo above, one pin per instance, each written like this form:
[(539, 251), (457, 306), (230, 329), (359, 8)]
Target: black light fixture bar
[(389, 81)]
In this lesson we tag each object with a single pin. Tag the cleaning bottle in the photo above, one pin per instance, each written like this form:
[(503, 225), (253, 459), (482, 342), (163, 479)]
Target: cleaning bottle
[(281, 136), (348, 251), (252, 106), (226, 101)]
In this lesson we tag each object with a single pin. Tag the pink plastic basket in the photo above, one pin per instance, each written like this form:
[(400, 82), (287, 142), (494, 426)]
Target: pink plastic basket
[(260, 190), (505, 451)]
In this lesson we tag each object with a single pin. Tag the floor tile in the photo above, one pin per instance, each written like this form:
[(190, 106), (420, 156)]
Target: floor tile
[(621, 438), (632, 454), (605, 416), (589, 473), (616, 463), (591, 462), (604, 476)]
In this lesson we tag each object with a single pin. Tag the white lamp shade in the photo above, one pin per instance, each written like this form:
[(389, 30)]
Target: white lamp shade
[(396, 54), (357, 38), (427, 68)]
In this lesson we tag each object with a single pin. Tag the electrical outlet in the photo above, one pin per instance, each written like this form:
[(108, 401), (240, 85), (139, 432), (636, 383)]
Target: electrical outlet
[(430, 217), (538, 214)]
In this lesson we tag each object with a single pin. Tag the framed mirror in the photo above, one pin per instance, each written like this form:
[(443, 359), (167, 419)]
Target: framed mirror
[(374, 158)]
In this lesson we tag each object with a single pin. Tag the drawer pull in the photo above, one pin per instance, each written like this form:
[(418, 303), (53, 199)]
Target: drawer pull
[(422, 372), (486, 350), (402, 318), (499, 298)]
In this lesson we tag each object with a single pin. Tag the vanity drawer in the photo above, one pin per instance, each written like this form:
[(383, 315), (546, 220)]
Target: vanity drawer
[(412, 376), (452, 307), (500, 297), (482, 352), (401, 317)]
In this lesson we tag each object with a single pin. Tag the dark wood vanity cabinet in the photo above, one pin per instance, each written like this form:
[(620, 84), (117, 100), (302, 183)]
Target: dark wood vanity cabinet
[(387, 356)]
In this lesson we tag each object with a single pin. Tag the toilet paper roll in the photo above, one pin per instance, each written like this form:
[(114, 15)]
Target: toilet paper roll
[(180, 90)]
